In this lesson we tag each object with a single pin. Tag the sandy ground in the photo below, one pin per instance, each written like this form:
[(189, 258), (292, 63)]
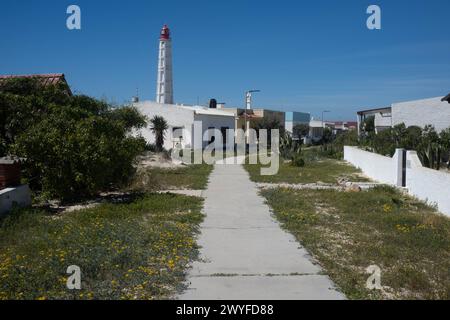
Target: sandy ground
[(157, 160)]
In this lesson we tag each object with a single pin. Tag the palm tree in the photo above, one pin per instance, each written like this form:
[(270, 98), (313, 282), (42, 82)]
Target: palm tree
[(159, 125)]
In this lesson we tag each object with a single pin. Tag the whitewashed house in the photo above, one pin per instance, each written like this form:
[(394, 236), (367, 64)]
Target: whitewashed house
[(180, 119), (433, 111), (293, 118)]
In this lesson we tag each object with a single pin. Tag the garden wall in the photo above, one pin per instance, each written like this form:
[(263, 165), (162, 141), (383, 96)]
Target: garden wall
[(426, 184), (375, 166)]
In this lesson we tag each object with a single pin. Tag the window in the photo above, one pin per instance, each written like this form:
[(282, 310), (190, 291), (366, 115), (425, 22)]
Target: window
[(177, 133)]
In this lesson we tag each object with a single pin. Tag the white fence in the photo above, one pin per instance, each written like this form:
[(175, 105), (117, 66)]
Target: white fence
[(426, 184)]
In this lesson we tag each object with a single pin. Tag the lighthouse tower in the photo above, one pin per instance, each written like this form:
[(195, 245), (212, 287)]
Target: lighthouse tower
[(164, 90)]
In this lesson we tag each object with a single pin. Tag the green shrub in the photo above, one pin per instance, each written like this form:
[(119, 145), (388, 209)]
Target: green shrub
[(384, 143), (289, 147), (432, 147), (150, 147), (298, 161), (75, 146), (301, 130), (2, 147)]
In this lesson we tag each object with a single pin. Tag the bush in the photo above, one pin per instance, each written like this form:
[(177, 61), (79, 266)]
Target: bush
[(269, 125), (289, 147), (433, 148), (75, 146), (151, 147), (298, 161), (335, 148), (2, 148), (384, 143), (301, 130)]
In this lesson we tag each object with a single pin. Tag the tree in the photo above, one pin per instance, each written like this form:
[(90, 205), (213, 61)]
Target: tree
[(2, 147), (428, 149), (368, 125), (445, 143), (268, 124), (398, 134), (384, 143), (327, 136), (412, 137), (301, 130), (289, 148), (159, 126), (75, 146), (347, 138)]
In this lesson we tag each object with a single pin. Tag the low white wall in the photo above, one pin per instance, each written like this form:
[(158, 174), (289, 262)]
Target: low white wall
[(426, 184), (375, 166), (20, 196)]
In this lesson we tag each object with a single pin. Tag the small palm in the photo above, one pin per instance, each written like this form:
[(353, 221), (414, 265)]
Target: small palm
[(159, 125)]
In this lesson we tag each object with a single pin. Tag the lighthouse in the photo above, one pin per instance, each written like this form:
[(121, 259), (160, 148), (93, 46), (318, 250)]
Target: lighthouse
[(164, 90)]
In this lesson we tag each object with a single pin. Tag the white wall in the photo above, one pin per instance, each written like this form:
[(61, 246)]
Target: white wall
[(426, 184), (176, 116), (215, 121), (183, 117), (422, 112), (375, 166), (20, 196), (383, 119), (289, 126)]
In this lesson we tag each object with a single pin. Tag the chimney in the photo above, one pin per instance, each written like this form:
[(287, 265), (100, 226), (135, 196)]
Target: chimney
[(213, 104)]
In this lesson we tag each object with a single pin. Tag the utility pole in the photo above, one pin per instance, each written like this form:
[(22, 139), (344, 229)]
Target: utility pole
[(325, 111)]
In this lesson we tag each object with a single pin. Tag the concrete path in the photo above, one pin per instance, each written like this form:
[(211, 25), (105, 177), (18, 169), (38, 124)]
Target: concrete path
[(244, 252)]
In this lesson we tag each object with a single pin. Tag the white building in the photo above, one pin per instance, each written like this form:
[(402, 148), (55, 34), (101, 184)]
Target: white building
[(181, 119), (316, 129), (293, 118), (164, 88), (433, 111)]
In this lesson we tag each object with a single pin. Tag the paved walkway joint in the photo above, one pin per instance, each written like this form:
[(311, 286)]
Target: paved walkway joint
[(244, 252)]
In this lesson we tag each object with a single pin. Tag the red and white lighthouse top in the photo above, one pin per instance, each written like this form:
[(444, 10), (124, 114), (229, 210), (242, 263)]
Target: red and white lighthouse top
[(165, 33)]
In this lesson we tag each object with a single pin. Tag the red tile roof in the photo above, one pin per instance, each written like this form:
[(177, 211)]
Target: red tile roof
[(45, 79)]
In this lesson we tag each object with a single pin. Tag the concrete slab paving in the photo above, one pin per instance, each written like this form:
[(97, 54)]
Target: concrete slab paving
[(244, 252), (310, 287)]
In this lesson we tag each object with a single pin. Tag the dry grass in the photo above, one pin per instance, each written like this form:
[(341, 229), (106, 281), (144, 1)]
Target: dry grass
[(325, 170), (187, 177), (346, 232)]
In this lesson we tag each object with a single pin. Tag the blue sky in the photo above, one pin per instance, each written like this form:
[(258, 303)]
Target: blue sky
[(302, 55)]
